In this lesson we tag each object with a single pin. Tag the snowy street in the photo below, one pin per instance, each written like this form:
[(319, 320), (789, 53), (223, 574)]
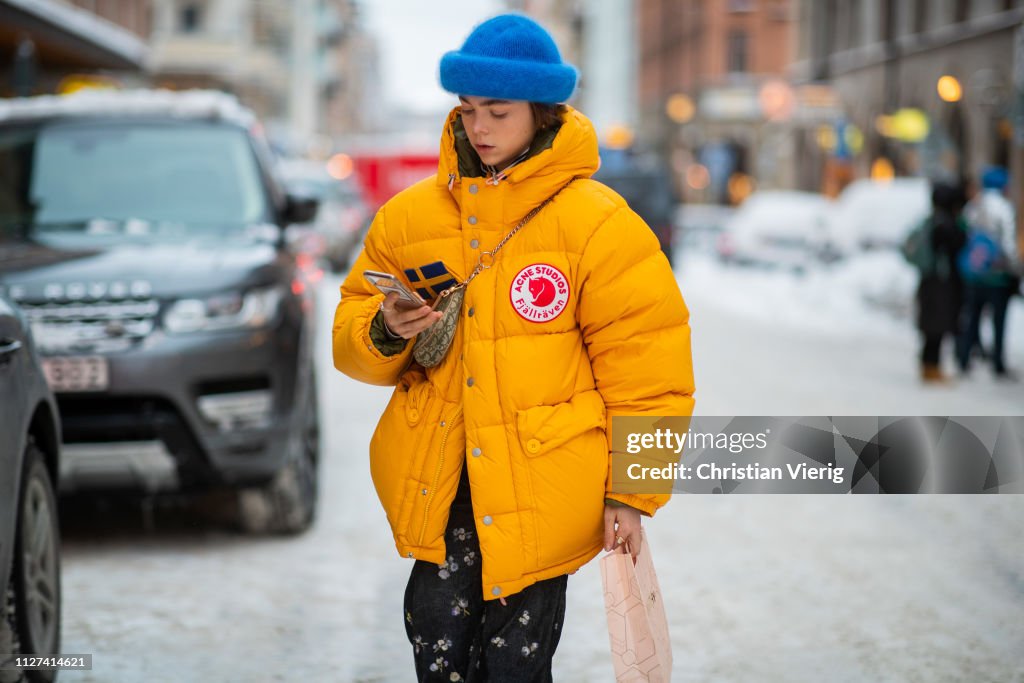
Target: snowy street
[(758, 588)]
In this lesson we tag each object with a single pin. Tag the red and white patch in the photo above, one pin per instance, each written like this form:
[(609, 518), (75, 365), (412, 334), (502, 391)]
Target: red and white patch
[(539, 292)]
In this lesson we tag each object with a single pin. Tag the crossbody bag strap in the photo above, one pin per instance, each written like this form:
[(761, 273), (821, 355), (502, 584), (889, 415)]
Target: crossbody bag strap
[(486, 258)]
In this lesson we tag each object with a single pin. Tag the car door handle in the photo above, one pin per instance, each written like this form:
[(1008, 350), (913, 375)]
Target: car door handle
[(8, 347)]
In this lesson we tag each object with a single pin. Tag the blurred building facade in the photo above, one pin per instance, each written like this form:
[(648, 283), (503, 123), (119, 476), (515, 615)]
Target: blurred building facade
[(608, 62), (600, 38), (48, 46), (335, 70), (352, 57), (304, 66), (242, 46), (929, 83), (714, 92), (563, 18), (937, 87)]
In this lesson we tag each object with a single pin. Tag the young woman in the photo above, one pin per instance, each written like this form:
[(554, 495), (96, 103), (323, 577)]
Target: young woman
[(493, 466)]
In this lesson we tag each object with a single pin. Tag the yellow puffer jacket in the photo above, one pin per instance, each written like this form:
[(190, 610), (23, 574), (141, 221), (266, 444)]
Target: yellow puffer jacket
[(579, 319)]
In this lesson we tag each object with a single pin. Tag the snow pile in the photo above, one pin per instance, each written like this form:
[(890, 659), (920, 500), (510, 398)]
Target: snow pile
[(868, 295), (882, 280), (841, 300)]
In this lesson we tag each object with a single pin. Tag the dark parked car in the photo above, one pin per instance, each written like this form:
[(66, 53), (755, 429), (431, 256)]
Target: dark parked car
[(30, 604), (646, 187), (151, 255)]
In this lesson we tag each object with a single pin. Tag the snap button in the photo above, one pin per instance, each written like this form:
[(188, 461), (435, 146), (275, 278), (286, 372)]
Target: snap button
[(410, 555), (473, 244), (472, 220), (487, 520), (424, 492), (471, 311), (476, 452), (473, 189), (442, 423), (496, 590), (414, 415), (533, 446), (470, 382)]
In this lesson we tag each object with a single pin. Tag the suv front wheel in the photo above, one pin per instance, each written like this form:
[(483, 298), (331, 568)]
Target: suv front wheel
[(287, 504)]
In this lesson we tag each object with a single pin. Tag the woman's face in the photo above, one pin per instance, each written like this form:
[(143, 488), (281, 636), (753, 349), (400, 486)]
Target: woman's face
[(499, 130)]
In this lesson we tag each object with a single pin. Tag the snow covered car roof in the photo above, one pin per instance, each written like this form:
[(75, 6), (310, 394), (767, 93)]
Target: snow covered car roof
[(187, 104)]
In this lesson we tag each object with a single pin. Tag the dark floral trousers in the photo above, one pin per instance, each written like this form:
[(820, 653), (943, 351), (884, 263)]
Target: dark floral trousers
[(458, 636)]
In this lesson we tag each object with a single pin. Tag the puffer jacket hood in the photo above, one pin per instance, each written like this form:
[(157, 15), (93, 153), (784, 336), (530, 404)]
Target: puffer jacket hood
[(578, 320), (572, 153)]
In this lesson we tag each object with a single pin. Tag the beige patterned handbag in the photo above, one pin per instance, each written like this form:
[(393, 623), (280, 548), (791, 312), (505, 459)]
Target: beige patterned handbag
[(432, 343), (637, 627)]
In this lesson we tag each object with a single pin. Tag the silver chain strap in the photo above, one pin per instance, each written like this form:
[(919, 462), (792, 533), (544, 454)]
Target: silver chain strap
[(481, 265)]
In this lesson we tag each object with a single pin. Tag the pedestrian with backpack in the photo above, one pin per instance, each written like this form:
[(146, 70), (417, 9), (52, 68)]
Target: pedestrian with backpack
[(932, 248), (990, 265)]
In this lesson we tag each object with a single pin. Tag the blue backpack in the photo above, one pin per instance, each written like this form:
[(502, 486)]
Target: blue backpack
[(979, 256)]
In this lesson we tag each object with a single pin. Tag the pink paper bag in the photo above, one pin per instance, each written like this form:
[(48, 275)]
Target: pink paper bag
[(637, 627)]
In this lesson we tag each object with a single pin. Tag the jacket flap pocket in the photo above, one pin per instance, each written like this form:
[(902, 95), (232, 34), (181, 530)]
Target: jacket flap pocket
[(542, 428), (418, 392)]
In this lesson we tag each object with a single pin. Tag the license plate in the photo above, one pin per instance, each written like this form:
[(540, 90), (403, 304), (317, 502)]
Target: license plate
[(77, 373)]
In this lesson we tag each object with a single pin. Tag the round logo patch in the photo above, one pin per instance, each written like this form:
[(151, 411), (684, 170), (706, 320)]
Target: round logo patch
[(539, 293)]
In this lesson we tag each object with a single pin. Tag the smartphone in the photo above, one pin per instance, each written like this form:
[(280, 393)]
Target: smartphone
[(387, 283)]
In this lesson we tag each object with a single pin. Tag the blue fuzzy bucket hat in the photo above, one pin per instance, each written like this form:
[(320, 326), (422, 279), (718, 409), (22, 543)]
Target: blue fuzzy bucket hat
[(509, 57)]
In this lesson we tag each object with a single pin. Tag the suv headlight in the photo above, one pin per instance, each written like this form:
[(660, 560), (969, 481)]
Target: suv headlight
[(255, 308)]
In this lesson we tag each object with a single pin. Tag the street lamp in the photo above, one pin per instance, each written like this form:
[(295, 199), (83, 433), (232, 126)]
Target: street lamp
[(882, 170), (949, 88), (680, 108)]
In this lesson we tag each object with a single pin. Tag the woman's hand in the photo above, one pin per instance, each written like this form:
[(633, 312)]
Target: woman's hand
[(622, 523), (407, 322)]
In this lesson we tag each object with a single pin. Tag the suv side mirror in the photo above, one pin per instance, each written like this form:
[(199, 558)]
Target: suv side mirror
[(300, 208)]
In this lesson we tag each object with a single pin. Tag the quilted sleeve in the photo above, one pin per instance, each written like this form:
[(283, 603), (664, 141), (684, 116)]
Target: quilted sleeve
[(636, 328), (354, 351)]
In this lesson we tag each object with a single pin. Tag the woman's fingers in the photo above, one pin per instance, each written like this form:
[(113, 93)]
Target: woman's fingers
[(635, 540), (622, 523), (631, 537), (407, 323), (609, 527)]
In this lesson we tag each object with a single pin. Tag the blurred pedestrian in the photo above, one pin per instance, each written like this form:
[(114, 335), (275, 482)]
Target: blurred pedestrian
[(932, 248), (493, 465), (991, 268)]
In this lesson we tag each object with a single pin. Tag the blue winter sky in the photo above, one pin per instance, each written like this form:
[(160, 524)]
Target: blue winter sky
[(412, 35)]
